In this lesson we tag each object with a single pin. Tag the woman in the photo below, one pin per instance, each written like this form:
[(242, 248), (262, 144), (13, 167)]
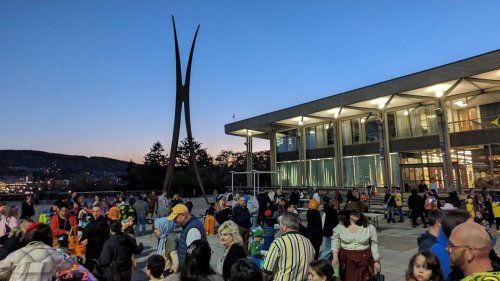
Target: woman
[(27, 209), (16, 239), (224, 212), (196, 266), (321, 270), (12, 217), (314, 226), (167, 243), (97, 201), (231, 239), (355, 245), (338, 200)]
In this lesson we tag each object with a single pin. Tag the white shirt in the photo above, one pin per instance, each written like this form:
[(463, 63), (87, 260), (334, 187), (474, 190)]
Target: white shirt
[(365, 238), (193, 234)]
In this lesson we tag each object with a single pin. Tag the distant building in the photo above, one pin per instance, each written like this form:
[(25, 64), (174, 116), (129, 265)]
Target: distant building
[(440, 124)]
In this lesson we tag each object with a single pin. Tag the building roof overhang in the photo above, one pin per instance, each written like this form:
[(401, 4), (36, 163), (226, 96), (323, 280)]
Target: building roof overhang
[(476, 74)]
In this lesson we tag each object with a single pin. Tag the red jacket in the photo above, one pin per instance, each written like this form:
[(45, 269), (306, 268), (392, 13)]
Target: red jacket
[(54, 224)]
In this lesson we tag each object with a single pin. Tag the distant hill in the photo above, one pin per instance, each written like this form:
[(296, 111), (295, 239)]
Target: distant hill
[(15, 160)]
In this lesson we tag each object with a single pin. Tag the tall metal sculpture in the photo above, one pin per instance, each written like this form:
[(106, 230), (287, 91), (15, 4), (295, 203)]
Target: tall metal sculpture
[(182, 97)]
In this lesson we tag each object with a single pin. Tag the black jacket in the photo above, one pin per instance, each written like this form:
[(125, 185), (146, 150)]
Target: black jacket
[(119, 248), (331, 220), (314, 229), (416, 205), (241, 216), (234, 253), (96, 233), (27, 210)]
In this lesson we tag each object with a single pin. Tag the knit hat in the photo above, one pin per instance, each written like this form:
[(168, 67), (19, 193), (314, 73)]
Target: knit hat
[(258, 232), (268, 213), (313, 204), (33, 226)]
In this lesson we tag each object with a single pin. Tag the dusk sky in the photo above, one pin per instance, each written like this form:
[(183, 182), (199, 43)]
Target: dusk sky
[(97, 78)]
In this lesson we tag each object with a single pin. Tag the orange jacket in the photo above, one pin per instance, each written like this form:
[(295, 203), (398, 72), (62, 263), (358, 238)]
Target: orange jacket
[(209, 225), (54, 224)]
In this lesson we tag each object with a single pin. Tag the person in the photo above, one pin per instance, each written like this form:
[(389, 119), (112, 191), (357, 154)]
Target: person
[(224, 212), (118, 250), (424, 266), (151, 204), (154, 267), (176, 199), (422, 187), (37, 260), (257, 251), (316, 195), (209, 221), (245, 270), (4, 225), (330, 221), (469, 246), (453, 199), (93, 236), (399, 203), (338, 200), (63, 223), (196, 265), (290, 255), (97, 200), (141, 211), (192, 229), (114, 212), (356, 255), (268, 223), (450, 219), (161, 206), (27, 209), (416, 206), (390, 203), (167, 243), (314, 226), (321, 270), (433, 185), (428, 238), (241, 216), (232, 241), (12, 217), (253, 208), (16, 239)]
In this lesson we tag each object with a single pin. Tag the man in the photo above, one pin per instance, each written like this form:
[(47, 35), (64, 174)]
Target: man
[(428, 238), (161, 206), (192, 229), (289, 256), (330, 221), (63, 222), (141, 210), (241, 216), (469, 247), (253, 208), (37, 260), (27, 209), (94, 235), (399, 203)]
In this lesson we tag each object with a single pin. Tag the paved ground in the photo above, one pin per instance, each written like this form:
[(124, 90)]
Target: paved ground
[(397, 245)]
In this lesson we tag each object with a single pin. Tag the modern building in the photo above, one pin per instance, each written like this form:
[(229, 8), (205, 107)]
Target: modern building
[(440, 125)]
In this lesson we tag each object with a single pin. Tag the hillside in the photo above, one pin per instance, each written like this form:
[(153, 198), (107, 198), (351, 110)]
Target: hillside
[(16, 160)]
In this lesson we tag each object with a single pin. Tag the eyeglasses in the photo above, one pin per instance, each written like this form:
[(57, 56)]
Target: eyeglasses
[(450, 246)]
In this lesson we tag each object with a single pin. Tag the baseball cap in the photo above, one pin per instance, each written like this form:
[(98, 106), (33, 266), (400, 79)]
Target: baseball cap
[(258, 232), (178, 209)]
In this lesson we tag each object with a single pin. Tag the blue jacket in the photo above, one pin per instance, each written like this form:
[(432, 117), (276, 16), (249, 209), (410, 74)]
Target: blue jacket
[(439, 249), (182, 247)]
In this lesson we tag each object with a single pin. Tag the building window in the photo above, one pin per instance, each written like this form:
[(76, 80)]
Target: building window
[(311, 138), (330, 136), (286, 141)]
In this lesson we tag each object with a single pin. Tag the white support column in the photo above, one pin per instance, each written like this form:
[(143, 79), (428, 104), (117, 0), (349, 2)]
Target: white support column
[(249, 158), (273, 157)]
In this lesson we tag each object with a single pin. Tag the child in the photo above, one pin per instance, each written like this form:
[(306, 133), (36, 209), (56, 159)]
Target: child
[(256, 250), (469, 205), (424, 266), (209, 223), (154, 267)]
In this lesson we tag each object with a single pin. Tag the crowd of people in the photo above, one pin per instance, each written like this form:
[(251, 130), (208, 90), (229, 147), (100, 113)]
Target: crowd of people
[(263, 237)]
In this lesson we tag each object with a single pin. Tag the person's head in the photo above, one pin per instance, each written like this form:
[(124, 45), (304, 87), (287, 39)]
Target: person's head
[(289, 222), (245, 270), (229, 234), (163, 226), (96, 211), (12, 212), (97, 198), (180, 214), (414, 191), (452, 218), (63, 210), (242, 202), (39, 232), (155, 266), (290, 207), (258, 234), (197, 262), (3, 207), (424, 266), (313, 204), (352, 214), (434, 217), (115, 227), (321, 270), (28, 199), (469, 246)]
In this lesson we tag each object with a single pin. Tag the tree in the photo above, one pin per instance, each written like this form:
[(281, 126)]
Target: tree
[(203, 159), (155, 156)]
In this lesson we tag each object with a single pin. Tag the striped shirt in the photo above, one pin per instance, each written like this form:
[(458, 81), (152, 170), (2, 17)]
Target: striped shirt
[(289, 257)]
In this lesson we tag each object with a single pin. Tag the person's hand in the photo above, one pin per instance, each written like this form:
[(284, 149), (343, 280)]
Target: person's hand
[(84, 242), (335, 261), (377, 267)]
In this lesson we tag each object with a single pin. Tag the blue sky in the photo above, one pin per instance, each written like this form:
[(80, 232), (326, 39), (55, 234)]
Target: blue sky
[(97, 78)]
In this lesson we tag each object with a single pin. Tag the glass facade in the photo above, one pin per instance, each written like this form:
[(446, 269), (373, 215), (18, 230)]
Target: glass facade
[(289, 173), (321, 172), (286, 141), (412, 122), (361, 171), (319, 136)]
